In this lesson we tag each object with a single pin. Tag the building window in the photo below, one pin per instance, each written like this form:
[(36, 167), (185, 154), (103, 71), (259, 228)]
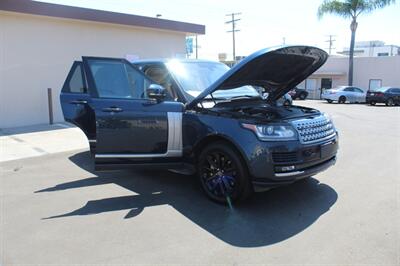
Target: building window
[(374, 84), (383, 54)]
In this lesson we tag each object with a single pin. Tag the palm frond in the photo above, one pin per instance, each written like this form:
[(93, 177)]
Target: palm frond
[(335, 7), (368, 6)]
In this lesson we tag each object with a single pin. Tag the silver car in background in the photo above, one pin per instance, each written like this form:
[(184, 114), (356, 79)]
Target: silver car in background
[(344, 94)]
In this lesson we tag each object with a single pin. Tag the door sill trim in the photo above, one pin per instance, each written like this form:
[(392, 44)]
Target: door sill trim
[(169, 153)]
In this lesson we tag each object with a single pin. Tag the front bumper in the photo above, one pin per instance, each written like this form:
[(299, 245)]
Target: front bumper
[(284, 164), (290, 177)]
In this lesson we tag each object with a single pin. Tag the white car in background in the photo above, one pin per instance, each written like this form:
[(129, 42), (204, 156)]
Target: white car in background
[(345, 94)]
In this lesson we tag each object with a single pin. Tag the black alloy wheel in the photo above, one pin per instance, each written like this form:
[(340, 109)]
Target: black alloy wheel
[(303, 96), (372, 103), (342, 99), (223, 174)]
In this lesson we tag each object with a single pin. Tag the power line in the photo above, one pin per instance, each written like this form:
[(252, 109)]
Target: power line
[(331, 41), (233, 22)]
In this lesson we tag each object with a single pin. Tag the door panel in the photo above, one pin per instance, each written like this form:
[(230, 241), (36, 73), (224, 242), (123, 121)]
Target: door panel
[(130, 128), (75, 102), (136, 127)]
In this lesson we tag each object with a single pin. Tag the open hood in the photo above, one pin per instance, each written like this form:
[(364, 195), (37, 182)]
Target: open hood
[(277, 70)]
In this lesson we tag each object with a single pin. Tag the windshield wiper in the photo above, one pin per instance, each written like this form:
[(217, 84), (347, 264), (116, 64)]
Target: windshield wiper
[(244, 97)]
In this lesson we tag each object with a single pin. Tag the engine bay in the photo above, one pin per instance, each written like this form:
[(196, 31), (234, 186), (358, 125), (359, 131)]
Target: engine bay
[(261, 111)]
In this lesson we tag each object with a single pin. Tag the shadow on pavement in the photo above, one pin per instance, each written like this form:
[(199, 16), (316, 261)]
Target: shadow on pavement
[(267, 218), (34, 128)]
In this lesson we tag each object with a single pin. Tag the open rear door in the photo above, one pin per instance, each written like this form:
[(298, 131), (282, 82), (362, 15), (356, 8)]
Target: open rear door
[(75, 102)]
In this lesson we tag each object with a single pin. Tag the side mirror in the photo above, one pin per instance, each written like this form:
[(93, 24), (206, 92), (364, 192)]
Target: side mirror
[(156, 92)]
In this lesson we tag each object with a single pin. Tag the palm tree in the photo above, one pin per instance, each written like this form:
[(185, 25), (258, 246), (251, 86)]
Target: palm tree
[(351, 9)]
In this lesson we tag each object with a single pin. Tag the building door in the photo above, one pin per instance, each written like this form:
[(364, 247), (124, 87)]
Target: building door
[(374, 84), (311, 87), (326, 83)]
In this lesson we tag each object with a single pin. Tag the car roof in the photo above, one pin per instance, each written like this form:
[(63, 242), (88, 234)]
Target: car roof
[(165, 60)]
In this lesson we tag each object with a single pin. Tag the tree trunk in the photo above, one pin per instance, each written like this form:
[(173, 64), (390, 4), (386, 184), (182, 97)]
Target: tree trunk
[(353, 28)]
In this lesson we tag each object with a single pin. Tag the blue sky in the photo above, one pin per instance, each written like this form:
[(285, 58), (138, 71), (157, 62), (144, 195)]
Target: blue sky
[(263, 23)]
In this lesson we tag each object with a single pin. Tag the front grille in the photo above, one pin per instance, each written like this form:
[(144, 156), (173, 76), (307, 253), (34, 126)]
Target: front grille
[(284, 157), (314, 129)]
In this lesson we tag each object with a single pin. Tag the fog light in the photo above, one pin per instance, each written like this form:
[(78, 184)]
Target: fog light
[(287, 168)]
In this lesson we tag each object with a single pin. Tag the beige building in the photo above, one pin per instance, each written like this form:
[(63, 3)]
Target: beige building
[(369, 73), (372, 48), (40, 41)]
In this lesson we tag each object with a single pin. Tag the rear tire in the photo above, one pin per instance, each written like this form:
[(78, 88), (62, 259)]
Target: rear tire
[(222, 171), (303, 96), (390, 102), (342, 99), (329, 101), (372, 103)]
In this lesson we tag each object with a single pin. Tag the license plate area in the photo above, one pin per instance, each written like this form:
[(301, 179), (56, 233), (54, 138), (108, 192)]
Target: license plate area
[(328, 149)]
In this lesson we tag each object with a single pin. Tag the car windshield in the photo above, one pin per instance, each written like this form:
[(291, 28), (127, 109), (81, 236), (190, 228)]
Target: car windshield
[(194, 77)]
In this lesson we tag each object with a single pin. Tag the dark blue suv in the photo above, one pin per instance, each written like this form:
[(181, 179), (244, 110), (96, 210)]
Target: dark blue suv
[(201, 117)]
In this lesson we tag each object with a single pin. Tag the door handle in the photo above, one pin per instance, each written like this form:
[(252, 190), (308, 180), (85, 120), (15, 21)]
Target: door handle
[(78, 102), (112, 109)]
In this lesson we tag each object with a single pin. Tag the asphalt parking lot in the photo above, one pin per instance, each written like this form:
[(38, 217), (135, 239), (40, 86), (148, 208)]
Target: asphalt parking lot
[(56, 210)]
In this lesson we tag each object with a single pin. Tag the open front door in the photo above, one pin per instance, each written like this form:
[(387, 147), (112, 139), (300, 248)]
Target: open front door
[(130, 128)]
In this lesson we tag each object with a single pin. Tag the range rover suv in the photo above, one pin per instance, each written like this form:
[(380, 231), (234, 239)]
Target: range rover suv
[(223, 124)]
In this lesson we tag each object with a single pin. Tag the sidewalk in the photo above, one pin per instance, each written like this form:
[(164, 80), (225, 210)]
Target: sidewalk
[(37, 140)]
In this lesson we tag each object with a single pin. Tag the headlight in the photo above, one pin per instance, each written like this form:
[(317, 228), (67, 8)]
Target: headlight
[(328, 118), (273, 132)]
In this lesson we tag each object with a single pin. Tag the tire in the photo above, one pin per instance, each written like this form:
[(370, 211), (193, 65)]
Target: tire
[(286, 103), (92, 149), (390, 102), (372, 103), (222, 171), (342, 99), (329, 101), (303, 96)]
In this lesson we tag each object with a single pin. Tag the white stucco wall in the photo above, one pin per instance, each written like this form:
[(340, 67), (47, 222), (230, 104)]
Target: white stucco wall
[(36, 53), (386, 68)]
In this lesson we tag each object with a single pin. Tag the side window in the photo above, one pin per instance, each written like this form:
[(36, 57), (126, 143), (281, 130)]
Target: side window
[(349, 89), (118, 79), (161, 76), (75, 82), (358, 90), (396, 90)]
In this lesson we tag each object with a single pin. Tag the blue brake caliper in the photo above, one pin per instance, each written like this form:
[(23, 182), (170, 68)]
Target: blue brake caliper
[(222, 185)]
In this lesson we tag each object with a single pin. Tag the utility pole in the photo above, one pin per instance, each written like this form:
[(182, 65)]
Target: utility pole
[(331, 41), (233, 22), (197, 48)]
